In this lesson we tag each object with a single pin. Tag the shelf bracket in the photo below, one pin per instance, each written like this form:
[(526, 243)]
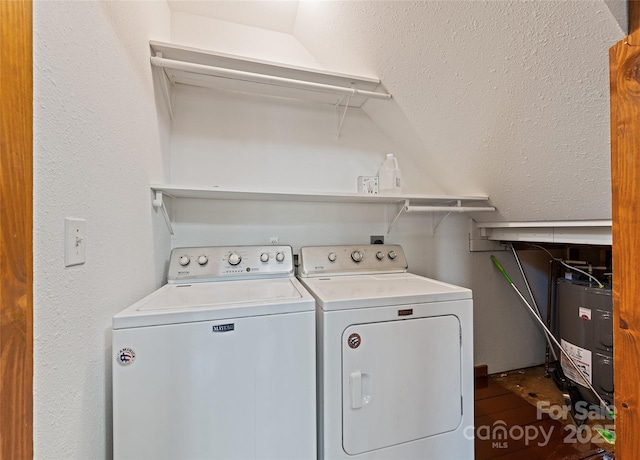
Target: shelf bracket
[(165, 88), (403, 208), (158, 203), (435, 227), (344, 114)]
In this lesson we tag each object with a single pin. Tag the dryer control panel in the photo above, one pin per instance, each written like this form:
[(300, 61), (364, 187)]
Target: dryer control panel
[(216, 263), (349, 260)]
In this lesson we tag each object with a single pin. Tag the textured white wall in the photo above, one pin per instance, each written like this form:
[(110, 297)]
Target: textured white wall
[(98, 143), (509, 98), (260, 143)]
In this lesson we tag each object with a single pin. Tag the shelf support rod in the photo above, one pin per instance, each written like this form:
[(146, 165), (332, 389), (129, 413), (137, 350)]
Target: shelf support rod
[(158, 203), (261, 78), (450, 209)]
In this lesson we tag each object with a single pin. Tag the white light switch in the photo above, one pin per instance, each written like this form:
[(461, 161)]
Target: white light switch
[(75, 241)]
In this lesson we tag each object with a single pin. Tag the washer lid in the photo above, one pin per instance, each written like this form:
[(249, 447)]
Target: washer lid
[(363, 291), (182, 303)]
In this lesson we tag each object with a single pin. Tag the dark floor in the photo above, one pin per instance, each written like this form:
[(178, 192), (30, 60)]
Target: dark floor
[(520, 415)]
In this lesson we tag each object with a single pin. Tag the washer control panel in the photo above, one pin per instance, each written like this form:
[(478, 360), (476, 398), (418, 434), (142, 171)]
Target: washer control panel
[(347, 260), (215, 263)]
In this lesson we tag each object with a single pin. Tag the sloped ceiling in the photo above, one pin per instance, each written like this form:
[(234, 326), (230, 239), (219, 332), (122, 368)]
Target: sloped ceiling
[(504, 98), (279, 16)]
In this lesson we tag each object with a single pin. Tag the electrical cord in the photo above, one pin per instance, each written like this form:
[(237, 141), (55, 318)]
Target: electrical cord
[(600, 285)]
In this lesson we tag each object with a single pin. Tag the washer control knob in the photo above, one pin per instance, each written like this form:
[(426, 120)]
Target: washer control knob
[(392, 255), (184, 261), (379, 255), (356, 256), (279, 256), (264, 257), (332, 257), (202, 260), (234, 258)]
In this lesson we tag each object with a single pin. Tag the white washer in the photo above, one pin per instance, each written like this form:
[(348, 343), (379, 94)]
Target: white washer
[(395, 357), (219, 363)]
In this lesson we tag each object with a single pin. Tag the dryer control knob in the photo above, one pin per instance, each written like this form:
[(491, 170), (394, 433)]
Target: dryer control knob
[(184, 261), (392, 255), (332, 257), (264, 257), (379, 255), (280, 256), (202, 260), (356, 256), (234, 259)]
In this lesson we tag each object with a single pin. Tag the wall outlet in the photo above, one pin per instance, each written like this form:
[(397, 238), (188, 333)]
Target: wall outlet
[(376, 239), (75, 241), (273, 240)]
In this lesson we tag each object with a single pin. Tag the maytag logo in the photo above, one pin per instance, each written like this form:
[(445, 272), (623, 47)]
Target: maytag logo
[(223, 327)]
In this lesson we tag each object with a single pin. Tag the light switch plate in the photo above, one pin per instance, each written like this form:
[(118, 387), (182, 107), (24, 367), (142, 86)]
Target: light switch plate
[(75, 241)]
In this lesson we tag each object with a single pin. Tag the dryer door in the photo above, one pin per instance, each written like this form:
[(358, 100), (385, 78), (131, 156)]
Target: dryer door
[(401, 381)]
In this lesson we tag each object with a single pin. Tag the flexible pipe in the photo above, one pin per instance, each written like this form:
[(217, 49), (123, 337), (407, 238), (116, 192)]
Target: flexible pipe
[(549, 306), (533, 299), (570, 267)]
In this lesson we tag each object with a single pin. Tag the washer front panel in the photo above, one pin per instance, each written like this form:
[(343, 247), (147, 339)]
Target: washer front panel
[(234, 389)]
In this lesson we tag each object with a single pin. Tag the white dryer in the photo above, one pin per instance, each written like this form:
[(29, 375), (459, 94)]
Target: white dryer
[(395, 357), (219, 363)]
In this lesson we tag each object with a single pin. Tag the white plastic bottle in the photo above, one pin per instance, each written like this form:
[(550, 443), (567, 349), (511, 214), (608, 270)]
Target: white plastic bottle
[(389, 176)]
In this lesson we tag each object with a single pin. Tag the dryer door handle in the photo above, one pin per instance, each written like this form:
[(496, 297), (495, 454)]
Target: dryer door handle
[(355, 389), (359, 389)]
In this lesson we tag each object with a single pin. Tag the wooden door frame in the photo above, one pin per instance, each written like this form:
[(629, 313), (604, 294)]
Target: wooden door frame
[(16, 230), (624, 68)]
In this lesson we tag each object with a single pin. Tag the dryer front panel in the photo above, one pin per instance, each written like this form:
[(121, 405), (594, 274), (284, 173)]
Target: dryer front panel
[(401, 381)]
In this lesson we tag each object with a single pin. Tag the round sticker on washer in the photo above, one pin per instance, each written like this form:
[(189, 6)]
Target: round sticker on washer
[(354, 340), (126, 356)]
